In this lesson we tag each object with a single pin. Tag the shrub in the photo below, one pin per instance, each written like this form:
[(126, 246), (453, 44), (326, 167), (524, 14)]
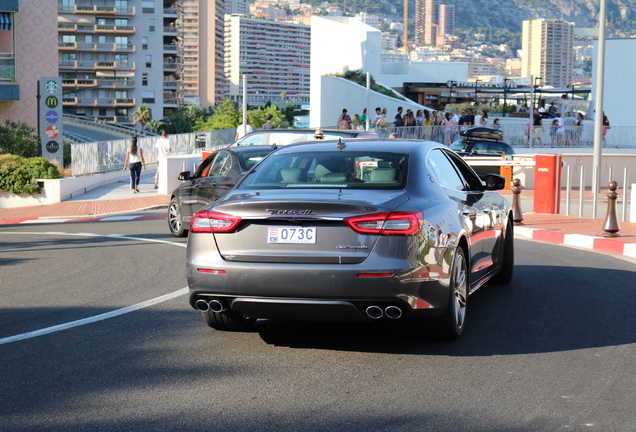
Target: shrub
[(18, 175), (18, 138)]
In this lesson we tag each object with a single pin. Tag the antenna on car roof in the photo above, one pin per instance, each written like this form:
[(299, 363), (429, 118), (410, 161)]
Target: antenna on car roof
[(340, 146)]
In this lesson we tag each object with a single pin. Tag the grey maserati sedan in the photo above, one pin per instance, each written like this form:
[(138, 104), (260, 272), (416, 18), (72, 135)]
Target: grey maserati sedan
[(346, 230)]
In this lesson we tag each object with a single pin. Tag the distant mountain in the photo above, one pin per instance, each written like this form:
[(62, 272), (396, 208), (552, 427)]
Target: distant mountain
[(509, 14)]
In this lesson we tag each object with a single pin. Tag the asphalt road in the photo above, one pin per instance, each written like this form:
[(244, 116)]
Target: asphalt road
[(554, 351)]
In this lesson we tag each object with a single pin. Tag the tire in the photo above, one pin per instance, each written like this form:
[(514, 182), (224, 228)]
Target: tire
[(174, 219), (450, 325), (507, 258), (227, 321)]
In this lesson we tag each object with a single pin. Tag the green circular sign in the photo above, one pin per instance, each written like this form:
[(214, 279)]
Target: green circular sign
[(51, 101)]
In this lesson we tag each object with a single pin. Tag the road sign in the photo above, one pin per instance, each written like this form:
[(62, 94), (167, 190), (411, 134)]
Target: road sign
[(50, 118)]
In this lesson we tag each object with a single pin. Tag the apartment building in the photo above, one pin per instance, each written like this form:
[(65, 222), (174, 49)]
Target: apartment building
[(275, 57), (28, 52), (548, 51), (120, 54)]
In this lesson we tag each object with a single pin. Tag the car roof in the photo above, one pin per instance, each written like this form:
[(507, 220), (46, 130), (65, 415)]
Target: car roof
[(373, 144)]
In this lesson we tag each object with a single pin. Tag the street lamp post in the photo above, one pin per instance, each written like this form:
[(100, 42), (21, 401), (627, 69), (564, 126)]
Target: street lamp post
[(535, 90), (505, 94), (476, 81)]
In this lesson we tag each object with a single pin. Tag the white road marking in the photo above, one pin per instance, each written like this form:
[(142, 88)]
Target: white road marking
[(100, 317)]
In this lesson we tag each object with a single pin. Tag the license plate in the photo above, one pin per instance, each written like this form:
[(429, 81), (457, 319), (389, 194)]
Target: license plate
[(291, 235)]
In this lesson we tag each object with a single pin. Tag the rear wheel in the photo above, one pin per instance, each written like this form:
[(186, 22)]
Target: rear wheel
[(507, 258), (450, 325), (227, 320), (174, 219)]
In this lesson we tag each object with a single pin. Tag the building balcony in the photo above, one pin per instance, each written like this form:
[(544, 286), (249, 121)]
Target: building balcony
[(170, 12), (170, 31), (170, 48), (105, 102), (67, 46), (171, 102), (104, 29), (67, 27), (68, 64), (170, 85), (127, 47), (170, 67), (92, 10), (78, 83), (111, 65), (125, 103), (69, 102), (116, 83)]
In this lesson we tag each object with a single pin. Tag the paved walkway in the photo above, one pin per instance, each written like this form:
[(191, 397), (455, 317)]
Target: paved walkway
[(118, 198)]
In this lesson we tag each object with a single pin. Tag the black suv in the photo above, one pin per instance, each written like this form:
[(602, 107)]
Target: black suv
[(484, 143)]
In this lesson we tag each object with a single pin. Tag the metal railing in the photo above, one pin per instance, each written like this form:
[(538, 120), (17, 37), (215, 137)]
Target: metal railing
[(98, 157), (87, 121)]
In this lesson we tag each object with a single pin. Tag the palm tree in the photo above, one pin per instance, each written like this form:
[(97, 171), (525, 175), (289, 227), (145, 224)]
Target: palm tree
[(142, 115)]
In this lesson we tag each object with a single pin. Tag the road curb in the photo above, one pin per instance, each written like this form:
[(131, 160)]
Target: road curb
[(85, 218), (600, 244)]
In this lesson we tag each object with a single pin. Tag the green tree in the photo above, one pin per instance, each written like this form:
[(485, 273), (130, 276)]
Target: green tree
[(142, 115), (226, 116), (18, 138), (259, 116)]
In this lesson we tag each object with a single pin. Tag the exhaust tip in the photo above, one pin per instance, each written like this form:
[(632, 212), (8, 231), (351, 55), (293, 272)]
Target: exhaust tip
[(393, 312), (216, 306), (201, 305), (374, 312)]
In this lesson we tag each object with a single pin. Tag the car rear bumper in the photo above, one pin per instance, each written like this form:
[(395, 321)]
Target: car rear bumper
[(316, 292)]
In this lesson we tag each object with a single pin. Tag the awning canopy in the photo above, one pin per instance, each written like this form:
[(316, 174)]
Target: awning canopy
[(6, 20)]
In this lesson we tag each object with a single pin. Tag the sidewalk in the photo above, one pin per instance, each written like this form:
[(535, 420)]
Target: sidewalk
[(118, 198), (102, 201)]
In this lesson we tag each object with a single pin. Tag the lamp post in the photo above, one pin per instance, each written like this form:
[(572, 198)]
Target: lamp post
[(450, 83), (476, 81), (535, 90), (505, 91)]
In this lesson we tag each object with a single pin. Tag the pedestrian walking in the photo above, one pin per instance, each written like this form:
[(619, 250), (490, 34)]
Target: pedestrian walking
[(163, 146), (268, 124), (134, 161)]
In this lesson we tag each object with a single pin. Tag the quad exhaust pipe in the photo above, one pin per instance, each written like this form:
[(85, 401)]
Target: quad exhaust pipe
[(391, 312), (213, 305)]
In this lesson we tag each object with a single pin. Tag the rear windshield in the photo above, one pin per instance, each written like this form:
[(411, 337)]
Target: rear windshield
[(330, 170)]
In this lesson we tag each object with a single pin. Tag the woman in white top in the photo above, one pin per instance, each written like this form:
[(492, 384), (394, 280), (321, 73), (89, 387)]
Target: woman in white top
[(134, 161)]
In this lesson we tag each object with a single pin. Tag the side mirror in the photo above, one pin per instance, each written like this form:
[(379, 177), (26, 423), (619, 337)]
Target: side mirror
[(184, 176), (494, 182)]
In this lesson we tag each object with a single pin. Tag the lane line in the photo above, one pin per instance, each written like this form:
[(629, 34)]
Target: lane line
[(95, 318), (104, 316)]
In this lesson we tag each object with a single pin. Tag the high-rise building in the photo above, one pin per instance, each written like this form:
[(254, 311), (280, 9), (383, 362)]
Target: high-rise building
[(446, 22), (274, 55), (548, 51), (120, 54), (28, 51), (201, 51), (426, 21)]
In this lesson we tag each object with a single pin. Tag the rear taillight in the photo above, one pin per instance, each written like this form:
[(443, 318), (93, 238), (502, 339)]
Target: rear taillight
[(396, 223), (207, 221)]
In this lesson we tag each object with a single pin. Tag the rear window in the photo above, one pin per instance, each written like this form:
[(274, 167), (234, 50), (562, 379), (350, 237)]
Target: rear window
[(330, 170)]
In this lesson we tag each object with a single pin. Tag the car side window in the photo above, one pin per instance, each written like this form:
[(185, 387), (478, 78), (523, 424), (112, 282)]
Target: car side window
[(444, 171), (472, 180), (220, 165)]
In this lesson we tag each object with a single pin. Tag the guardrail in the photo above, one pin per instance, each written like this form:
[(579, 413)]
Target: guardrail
[(87, 121)]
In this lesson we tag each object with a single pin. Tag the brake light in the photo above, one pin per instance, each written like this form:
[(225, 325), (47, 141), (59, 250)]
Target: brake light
[(396, 223), (207, 221)]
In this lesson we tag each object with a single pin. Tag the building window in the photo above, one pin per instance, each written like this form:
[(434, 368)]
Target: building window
[(148, 6), (101, 39), (121, 60), (151, 24), (68, 5), (68, 38), (88, 38), (121, 42), (144, 42), (121, 21), (144, 79), (148, 97), (121, 5), (148, 61)]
